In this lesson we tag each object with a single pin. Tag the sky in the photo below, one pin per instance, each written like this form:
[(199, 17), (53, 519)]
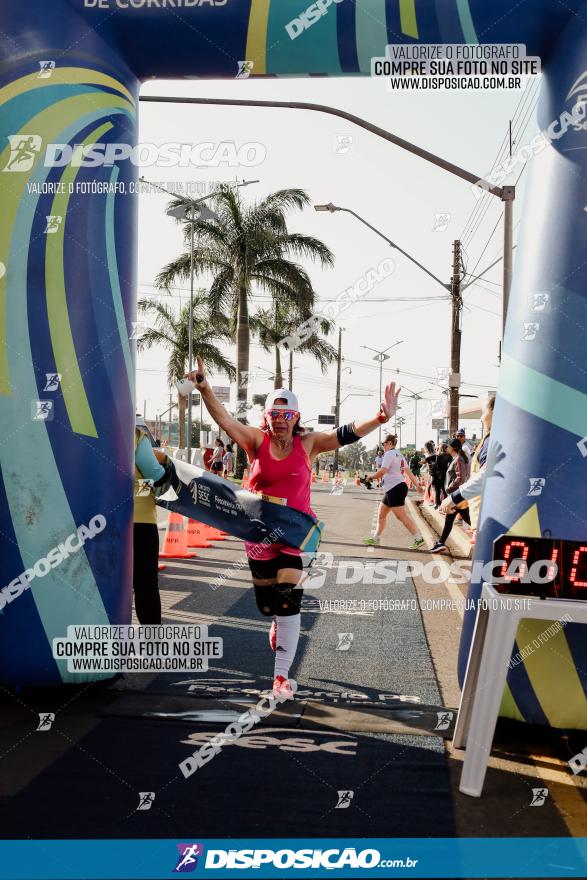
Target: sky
[(420, 207)]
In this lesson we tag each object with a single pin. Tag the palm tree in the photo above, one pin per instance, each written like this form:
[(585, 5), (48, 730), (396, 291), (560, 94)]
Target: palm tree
[(171, 331), (272, 325), (248, 248)]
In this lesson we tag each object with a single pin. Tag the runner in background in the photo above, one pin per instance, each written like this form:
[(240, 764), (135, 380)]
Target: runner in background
[(280, 454), (216, 465), (392, 472)]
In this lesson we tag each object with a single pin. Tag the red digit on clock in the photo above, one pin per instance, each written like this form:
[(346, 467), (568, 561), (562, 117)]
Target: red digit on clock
[(575, 568), (507, 557), (552, 569)]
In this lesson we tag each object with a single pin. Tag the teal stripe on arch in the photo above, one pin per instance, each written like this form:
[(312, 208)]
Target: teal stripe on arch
[(541, 396), (466, 20), (31, 476), (314, 50), (371, 30), (115, 282), (18, 110)]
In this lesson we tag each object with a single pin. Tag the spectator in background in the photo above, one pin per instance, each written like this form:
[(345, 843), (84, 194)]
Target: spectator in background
[(438, 462), (416, 464), (470, 492), (208, 454), (216, 465), (378, 461), (227, 461), (467, 447), (459, 471), (443, 460), (152, 468), (429, 459)]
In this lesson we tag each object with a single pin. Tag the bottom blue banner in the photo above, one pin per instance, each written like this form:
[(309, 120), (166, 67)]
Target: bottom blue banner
[(377, 857)]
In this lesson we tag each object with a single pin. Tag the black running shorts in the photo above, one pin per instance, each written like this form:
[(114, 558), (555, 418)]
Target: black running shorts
[(266, 569), (396, 497)]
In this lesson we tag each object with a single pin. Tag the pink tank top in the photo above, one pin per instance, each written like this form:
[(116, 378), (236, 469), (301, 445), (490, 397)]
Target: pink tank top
[(286, 481)]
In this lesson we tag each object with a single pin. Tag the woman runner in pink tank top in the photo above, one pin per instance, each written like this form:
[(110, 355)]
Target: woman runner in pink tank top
[(281, 455)]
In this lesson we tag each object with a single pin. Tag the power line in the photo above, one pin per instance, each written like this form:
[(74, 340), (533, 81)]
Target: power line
[(484, 204)]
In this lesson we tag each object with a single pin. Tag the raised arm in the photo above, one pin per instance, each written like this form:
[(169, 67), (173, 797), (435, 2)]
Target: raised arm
[(248, 437), (325, 442)]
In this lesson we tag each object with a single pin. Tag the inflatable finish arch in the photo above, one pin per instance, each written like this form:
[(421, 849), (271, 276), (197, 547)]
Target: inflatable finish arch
[(71, 72)]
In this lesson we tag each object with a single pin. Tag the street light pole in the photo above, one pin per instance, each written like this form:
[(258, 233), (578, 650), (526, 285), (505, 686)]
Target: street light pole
[(508, 218), (191, 334), (337, 404), (381, 356), (415, 397), (506, 193), (455, 349), (333, 208)]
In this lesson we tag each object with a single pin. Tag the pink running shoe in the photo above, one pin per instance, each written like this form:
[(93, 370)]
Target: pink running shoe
[(282, 688), (273, 636)]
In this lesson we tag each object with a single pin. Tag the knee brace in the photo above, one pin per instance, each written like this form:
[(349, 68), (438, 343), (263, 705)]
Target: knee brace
[(282, 600)]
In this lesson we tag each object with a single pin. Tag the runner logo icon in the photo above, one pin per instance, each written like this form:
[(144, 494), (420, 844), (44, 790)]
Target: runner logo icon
[(188, 855), (146, 799), (444, 720), (344, 800), (24, 149), (539, 796), (345, 641), (46, 720)]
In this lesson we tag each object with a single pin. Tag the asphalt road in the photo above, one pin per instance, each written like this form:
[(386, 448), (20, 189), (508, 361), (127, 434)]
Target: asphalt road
[(364, 749)]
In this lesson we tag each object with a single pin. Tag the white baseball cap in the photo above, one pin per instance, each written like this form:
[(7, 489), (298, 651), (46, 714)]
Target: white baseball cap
[(285, 394)]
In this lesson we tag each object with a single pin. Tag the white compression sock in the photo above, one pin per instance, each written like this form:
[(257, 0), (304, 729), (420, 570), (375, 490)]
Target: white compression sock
[(288, 636)]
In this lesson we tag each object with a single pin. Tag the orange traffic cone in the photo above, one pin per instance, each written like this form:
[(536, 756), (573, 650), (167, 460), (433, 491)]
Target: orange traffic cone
[(213, 534), (161, 567), (245, 479), (357, 480), (175, 541), (325, 477), (196, 535), (314, 477)]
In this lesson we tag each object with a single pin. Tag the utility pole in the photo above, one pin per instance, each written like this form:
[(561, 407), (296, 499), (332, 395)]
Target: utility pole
[(509, 194), (337, 404), (290, 383), (455, 344)]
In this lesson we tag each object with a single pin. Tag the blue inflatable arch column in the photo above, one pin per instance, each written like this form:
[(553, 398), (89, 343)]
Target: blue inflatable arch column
[(71, 73), (540, 418)]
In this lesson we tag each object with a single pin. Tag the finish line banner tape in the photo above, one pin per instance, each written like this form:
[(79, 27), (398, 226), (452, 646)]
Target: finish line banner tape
[(201, 495)]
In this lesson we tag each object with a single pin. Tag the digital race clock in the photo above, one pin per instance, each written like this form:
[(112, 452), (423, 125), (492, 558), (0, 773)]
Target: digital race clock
[(545, 567)]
